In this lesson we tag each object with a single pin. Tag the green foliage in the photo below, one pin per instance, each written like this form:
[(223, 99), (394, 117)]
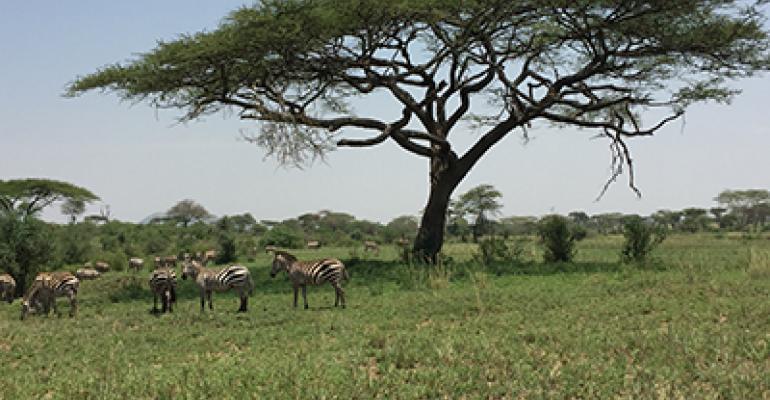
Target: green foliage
[(27, 197), (640, 239), (26, 247), (284, 237), (557, 239), (495, 250), (76, 244), (186, 212), (227, 249)]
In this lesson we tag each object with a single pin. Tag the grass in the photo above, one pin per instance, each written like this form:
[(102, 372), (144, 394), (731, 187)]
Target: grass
[(694, 324)]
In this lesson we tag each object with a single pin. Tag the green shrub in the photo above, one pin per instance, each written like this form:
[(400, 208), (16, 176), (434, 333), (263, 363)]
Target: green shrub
[(281, 236), (557, 238), (496, 250), (641, 239), (227, 252)]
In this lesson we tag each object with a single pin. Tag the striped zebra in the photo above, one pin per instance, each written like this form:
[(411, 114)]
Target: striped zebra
[(7, 288), (317, 272), (235, 277), (163, 285), (46, 288)]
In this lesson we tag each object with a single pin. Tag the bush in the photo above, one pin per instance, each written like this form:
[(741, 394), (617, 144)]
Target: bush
[(557, 238), (26, 245), (641, 239), (227, 251), (496, 250), (282, 237)]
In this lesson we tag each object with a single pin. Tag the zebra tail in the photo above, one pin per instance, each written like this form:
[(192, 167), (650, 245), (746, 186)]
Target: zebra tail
[(345, 274)]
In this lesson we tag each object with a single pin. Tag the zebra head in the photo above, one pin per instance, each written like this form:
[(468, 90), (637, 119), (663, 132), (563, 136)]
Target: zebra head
[(280, 263), (190, 268), (26, 308)]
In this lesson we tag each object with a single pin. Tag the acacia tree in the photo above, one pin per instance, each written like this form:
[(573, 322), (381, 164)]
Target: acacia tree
[(187, 211), (502, 65), (479, 202), (27, 197)]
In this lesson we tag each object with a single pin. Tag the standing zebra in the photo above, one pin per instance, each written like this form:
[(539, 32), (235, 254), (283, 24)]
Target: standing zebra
[(303, 273), (7, 288), (236, 277), (46, 288), (163, 285)]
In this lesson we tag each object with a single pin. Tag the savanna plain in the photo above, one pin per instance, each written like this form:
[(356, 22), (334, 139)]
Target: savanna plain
[(691, 323)]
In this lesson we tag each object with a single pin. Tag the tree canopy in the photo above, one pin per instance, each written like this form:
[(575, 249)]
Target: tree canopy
[(294, 66), (29, 196), (187, 211)]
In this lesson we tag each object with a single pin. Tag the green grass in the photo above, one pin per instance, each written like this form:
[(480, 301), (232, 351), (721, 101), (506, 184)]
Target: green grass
[(693, 324)]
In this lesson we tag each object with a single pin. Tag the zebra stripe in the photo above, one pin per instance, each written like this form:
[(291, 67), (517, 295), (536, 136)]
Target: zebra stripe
[(163, 285), (303, 273), (46, 288), (234, 277)]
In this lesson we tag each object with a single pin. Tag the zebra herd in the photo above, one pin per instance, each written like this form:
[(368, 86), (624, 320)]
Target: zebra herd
[(41, 296)]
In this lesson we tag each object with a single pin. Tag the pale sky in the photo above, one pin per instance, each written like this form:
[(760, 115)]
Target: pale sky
[(140, 161)]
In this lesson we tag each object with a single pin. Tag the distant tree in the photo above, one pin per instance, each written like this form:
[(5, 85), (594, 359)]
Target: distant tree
[(187, 211), (480, 203), (73, 208), (669, 219), (579, 218), (404, 226), (502, 65), (243, 223), (718, 212), (695, 219), (27, 197), (751, 206), (520, 225)]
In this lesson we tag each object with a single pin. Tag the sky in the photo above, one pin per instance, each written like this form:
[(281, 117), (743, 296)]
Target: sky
[(141, 161)]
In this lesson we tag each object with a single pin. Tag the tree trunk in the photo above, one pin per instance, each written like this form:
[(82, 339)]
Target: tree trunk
[(430, 237)]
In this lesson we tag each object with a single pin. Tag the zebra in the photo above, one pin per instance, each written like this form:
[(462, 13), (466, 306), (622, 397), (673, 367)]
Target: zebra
[(163, 285), (46, 288), (317, 272), (7, 288), (135, 263), (236, 277)]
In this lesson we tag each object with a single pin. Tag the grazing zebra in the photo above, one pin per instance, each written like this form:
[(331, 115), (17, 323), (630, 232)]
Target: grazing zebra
[(85, 274), (313, 245), (163, 285), (46, 288), (317, 272), (135, 263), (235, 277), (371, 245), (7, 288), (101, 266)]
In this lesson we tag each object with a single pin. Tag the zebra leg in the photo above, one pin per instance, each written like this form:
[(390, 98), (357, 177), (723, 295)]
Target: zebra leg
[(340, 293), (211, 304), (154, 302), (53, 304), (304, 295), (164, 301), (171, 299), (295, 296), (73, 304), (203, 300), (244, 301)]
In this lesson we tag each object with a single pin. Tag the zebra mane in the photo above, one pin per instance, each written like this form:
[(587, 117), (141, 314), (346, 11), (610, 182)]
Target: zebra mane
[(290, 257)]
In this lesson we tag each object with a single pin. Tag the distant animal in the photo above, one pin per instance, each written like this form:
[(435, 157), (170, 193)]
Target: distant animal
[(316, 272), (135, 263), (313, 244), (47, 286), (7, 288), (157, 262), (403, 242), (101, 266), (372, 246), (169, 261), (85, 274), (234, 277), (209, 255), (163, 285)]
